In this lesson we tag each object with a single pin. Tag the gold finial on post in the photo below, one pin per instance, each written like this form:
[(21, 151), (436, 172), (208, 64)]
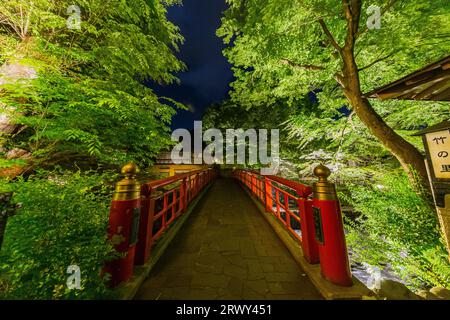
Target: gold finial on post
[(322, 173), (128, 188), (323, 189), (130, 170)]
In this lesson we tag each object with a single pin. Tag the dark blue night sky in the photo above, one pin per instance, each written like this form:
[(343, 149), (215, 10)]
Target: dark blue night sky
[(209, 74)]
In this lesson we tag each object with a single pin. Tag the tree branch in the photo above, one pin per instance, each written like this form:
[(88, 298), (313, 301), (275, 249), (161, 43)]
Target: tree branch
[(27, 23), (340, 79), (352, 10), (300, 66), (356, 11), (341, 141), (348, 12), (329, 35), (376, 61), (6, 20)]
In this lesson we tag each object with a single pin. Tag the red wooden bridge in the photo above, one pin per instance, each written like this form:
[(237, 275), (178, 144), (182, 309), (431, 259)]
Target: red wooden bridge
[(211, 235)]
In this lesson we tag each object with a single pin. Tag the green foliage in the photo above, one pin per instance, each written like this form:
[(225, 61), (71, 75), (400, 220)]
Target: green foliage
[(275, 46), (229, 115), (62, 221), (398, 228), (90, 100), (88, 106), (280, 52)]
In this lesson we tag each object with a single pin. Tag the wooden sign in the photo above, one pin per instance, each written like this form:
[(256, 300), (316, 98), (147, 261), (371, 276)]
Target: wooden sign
[(438, 145)]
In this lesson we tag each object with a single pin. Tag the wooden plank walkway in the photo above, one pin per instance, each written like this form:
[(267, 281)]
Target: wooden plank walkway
[(227, 250)]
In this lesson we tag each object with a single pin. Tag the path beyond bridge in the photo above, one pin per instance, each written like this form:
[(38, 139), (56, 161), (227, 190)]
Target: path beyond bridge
[(227, 250)]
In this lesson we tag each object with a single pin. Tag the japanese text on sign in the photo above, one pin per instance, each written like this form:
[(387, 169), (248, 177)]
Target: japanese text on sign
[(439, 148)]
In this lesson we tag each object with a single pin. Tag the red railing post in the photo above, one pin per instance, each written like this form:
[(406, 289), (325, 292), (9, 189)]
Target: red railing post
[(189, 191), (195, 184), (260, 189), (268, 195), (309, 244), (253, 177), (123, 225), (165, 210), (329, 230), (183, 194), (144, 244)]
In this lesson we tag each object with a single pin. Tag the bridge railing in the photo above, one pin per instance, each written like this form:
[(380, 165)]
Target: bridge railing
[(310, 214), (141, 214), (289, 202), (172, 196)]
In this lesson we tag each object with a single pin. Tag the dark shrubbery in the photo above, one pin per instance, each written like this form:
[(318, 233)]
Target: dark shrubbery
[(62, 221)]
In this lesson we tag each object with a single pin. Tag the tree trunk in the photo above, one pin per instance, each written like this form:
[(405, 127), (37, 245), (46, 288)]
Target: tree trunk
[(409, 156), (3, 220), (6, 210)]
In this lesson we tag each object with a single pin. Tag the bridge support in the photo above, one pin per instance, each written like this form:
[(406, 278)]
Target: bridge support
[(329, 230)]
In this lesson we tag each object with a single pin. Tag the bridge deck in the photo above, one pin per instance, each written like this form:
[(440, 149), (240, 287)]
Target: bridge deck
[(226, 250)]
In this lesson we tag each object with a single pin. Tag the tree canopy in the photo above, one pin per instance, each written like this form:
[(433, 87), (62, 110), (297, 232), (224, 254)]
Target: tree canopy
[(304, 66), (74, 96), (283, 49), (89, 99)]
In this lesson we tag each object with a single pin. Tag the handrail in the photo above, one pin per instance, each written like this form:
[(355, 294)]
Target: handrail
[(167, 181), (303, 189), (311, 215), (141, 214), (289, 201), (168, 205)]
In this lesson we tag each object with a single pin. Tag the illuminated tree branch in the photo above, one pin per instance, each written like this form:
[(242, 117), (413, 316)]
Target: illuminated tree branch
[(300, 66), (329, 35)]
